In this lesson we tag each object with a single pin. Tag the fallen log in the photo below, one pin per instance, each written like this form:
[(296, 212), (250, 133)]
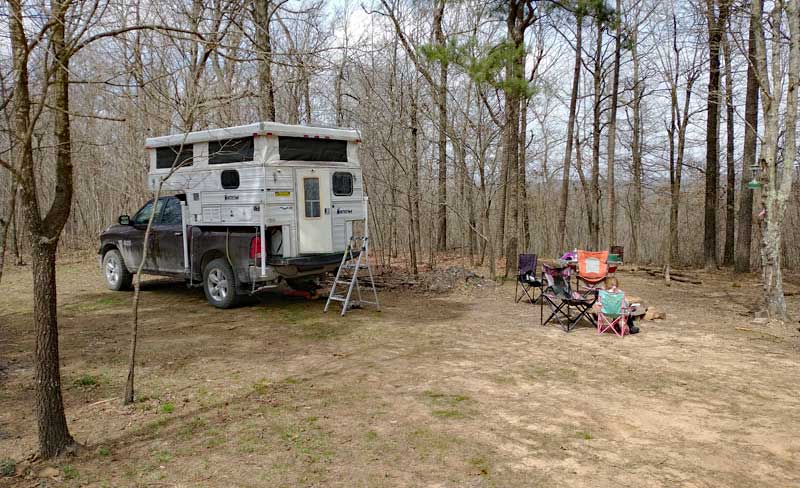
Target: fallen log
[(674, 277)]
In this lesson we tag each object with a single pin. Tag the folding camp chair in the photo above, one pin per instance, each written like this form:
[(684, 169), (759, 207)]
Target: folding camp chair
[(561, 299), (613, 312), (592, 271), (526, 278), (616, 256)]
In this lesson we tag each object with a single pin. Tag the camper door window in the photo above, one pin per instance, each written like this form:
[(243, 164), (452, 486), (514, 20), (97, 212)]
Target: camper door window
[(311, 197), (230, 151)]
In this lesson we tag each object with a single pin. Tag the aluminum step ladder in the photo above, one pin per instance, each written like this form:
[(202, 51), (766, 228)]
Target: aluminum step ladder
[(355, 264)]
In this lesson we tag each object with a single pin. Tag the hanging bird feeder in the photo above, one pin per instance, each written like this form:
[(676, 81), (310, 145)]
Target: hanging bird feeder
[(754, 184)]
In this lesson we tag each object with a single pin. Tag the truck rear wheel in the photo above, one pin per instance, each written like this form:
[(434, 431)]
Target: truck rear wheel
[(117, 276), (219, 284)]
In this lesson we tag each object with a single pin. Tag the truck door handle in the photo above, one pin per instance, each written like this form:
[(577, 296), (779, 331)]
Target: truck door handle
[(327, 211), (177, 234)]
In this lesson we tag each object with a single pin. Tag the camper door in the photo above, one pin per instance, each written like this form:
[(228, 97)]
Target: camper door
[(314, 227)]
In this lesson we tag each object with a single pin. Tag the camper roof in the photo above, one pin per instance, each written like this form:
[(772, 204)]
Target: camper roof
[(260, 128)]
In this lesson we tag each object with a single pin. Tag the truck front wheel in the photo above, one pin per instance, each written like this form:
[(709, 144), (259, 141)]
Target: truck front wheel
[(117, 276), (219, 284)]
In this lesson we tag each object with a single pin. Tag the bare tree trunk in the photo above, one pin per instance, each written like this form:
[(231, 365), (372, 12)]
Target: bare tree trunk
[(744, 237), (587, 194), (128, 395), (597, 76), (262, 17), (777, 189), (525, 238), (636, 149), (730, 201), (564, 201), (612, 137), (441, 219), (716, 23), (5, 225), (54, 436), (44, 233)]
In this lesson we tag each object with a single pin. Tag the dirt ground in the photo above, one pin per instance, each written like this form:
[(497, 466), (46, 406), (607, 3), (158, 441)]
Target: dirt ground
[(464, 389)]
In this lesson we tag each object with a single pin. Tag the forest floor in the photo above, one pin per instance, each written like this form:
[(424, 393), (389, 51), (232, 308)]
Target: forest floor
[(458, 389)]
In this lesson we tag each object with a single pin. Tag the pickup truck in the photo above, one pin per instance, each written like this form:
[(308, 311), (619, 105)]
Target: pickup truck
[(223, 260)]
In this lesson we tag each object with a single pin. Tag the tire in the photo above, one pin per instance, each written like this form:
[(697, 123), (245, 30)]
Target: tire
[(219, 284), (117, 276)]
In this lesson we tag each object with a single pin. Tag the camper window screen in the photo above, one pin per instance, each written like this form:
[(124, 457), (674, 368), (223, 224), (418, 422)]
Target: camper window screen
[(308, 149), (342, 184), (167, 156), (230, 150), (311, 197)]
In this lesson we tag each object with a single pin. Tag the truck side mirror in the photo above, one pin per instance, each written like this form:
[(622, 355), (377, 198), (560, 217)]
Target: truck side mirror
[(124, 220)]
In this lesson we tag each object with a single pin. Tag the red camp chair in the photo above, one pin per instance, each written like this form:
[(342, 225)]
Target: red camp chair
[(592, 271)]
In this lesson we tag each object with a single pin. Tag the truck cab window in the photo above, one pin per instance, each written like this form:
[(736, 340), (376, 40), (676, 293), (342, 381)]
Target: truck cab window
[(172, 212), (342, 184), (311, 197), (143, 215)]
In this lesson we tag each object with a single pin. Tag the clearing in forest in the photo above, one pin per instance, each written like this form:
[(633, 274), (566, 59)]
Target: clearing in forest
[(464, 389)]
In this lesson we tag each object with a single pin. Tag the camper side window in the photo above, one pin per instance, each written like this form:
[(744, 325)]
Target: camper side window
[(311, 197), (167, 157), (230, 151), (342, 184)]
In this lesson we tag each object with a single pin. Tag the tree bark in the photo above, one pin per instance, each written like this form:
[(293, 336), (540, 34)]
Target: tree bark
[(730, 201), (44, 233), (441, 219), (5, 225), (54, 436), (636, 149), (716, 23), (573, 102), (744, 237), (612, 136), (594, 232), (776, 190), (262, 17)]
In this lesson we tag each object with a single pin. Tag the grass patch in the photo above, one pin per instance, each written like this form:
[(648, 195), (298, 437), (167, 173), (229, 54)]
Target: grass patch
[(446, 406), (87, 381), (8, 467), (167, 407), (480, 464), (156, 425), (192, 428), (371, 435), (308, 439), (70, 473), (104, 451), (448, 414), (163, 457), (261, 388), (585, 436), (100, 304), (431, 443)]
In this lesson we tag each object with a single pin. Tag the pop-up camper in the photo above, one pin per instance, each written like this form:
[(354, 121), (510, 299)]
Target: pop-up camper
[(294, 191)]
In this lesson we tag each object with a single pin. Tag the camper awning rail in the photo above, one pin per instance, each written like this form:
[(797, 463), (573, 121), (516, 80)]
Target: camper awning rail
[(261, 128)]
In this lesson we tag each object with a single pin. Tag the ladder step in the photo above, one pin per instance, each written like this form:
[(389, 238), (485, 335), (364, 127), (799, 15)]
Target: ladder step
[(340, 282), (337, 298)]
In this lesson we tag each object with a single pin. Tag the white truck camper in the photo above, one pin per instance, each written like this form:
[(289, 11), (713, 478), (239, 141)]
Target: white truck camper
[(299, 188)]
